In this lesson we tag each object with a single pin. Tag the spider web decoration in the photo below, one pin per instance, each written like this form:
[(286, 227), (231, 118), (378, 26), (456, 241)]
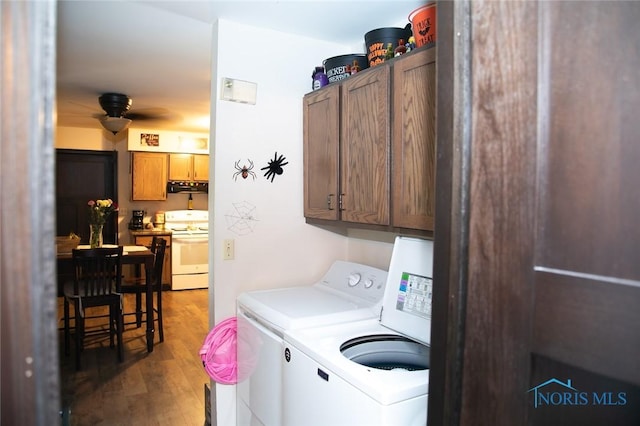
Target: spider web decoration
[(241, 220)]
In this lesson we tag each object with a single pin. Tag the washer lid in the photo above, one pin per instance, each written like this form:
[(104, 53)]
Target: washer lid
[(406, 307), (348, 291), (297, 307)]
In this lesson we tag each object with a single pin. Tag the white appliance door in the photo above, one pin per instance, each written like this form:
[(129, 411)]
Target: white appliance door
[(316, 396), (190, 254), (259, 387)]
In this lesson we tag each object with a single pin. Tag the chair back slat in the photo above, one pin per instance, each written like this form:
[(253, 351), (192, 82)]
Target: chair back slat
[(154, 243), (160, 248), (98, 272)]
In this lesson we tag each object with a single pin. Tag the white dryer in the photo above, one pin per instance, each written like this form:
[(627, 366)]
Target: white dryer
[(370, 372), (347, 292)]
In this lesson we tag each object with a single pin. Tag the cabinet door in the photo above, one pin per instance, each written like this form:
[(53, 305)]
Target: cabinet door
[(200, 168), (321, 149), (149, 176), (364, 168), (180, 166), (413, 177)]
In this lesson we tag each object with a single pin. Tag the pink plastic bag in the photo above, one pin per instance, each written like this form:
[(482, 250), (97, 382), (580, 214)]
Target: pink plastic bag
[(218, 353)]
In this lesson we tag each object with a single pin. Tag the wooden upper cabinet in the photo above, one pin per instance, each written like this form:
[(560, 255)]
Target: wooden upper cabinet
[(188, 167), (321, 129), (180, 166), (149, 176), (364, 151), (200, 168), (414, 137), (369, 146)]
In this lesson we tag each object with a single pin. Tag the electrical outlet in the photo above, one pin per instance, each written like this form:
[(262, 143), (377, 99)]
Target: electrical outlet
[(228, 250)]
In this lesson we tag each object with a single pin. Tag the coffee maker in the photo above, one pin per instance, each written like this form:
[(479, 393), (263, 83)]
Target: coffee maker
[(137, 220)]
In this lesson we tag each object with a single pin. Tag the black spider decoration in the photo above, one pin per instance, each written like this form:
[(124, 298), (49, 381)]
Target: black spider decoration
[(275, 166)]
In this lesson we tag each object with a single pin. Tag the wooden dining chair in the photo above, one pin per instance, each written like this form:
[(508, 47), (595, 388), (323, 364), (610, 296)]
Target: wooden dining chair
[(138, 286), (97, 281), (130, 285)]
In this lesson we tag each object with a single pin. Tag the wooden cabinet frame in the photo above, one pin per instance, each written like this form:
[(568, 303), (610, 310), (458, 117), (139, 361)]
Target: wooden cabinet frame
[(369, 148)]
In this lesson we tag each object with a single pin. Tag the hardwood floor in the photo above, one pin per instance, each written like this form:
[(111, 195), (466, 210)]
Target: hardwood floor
[(165, 387)]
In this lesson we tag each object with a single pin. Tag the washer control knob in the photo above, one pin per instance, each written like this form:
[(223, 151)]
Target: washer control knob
[(368, 283), (354, 279)]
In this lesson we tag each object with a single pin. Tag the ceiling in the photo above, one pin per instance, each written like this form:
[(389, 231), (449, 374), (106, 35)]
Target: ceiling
[(158, 52)]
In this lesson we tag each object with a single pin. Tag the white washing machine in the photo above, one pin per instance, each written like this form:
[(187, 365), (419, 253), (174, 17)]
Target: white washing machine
[(347, 292), (370, 372)]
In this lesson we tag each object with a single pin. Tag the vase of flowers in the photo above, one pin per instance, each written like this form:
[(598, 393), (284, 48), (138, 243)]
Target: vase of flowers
[(99, 211), (95, 235)]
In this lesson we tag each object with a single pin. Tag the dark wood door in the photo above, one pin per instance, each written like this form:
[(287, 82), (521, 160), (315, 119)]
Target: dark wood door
[(536, 244), (82, 176), (586, 301)]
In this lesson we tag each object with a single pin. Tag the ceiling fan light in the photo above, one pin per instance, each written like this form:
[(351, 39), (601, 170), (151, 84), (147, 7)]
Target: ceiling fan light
[(115, 124)]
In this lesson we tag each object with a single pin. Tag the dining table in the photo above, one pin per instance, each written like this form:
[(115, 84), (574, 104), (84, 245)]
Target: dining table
[(139, 256)]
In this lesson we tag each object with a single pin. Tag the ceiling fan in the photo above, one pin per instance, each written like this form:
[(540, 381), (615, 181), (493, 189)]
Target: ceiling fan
[(117, 116), (115, 105)]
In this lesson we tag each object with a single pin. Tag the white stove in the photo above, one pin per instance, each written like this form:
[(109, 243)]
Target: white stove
[(189, 248)]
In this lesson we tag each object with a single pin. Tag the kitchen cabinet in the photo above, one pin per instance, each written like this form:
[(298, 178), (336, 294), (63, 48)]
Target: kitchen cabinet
[(364, 148), (355, 129), (188, 167), (321, 129), (149, 176), (144, 238), (413, 141), (346, 150)]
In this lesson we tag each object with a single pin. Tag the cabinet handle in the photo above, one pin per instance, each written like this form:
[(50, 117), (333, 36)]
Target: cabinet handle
[(340, 204), (329, 201)]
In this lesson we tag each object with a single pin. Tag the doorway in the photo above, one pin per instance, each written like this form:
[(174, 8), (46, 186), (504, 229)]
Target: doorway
[(82, 176)]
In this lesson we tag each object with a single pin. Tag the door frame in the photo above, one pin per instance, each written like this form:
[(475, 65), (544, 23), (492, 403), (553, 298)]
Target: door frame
[(30, 384)]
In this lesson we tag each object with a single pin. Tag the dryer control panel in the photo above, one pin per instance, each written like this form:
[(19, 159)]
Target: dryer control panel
[(407, 298), (414, 295), (355, 280)]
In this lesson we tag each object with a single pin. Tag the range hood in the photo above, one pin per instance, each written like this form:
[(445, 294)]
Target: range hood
[(175, 187)]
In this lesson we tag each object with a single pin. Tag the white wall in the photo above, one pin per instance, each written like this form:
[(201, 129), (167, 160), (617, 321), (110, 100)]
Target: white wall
[(280, 249)]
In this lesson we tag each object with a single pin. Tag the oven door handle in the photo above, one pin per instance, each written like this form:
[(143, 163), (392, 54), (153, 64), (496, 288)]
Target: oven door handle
[(189, 239)]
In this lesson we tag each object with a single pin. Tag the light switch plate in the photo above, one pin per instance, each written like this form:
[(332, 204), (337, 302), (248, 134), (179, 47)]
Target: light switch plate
[(228, 250)]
